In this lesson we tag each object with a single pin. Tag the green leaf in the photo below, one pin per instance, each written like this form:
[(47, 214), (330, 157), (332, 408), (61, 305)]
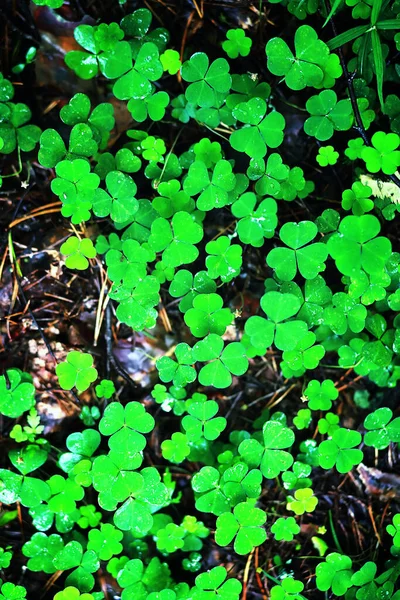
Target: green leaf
[(77, 371), (17, 393), (340, 452), (244, 526)]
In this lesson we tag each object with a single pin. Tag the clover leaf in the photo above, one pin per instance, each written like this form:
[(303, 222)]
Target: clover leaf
[(209, 495), (75, 185), (237, 43), (41, 550), (278, 329), (285, 528), (288, 590), (202, 422), (269, 455), (358, 199), (327, 115), (176, 449), (5, 557), (345, 313), (225, 362), (77, 371), (335, 573), (153, 106), (327, 155), (260, 131), (214, 190), (309, 260), (105, 389), (176, 239), (216, 586), (119, 200), (10, 591), (245, 526), (303, 501), (224, 259), (171, 61), (340, 452), (206, 81), (394, 530), (255, 224), (180, 372), (207, 315), (72, 593), (187, 286), (106, 541), (355, 246), (381, 430), (17, 393), (320, 395), (383, 154), (306, 355), (136, 304), (328, 424), (77, 252), (308, 66), (28, 459), (126, 425)]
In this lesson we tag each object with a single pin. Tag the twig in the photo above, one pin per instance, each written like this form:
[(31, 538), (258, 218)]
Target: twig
[(359, 127)]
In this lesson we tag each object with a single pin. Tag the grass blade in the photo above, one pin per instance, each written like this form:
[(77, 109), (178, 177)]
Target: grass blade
[(378, 62), (347, 36)]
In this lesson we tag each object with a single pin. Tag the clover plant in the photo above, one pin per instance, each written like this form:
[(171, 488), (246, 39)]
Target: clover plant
[(252, 267)]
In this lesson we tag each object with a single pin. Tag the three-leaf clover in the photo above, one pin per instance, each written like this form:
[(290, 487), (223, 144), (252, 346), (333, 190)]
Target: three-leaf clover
[(119, 200), (180, 372), (224, 362), (216, 586), (214, 190), (260, 131), (208, 315), (255, 224), (202, 422), (278, 329), (17, 393), (77, 371), (176, 449), (285, 528), (335, 573), (383, 154), (327, 155), (303, 501), (245, 526), (77, 252), (320, 395), (340, 451), (224, 260), (269, 455), (358, 199), (106, 541), (308, 259), (126, 426), (381, 430), (10, 591), (237, 43), (355, 246), (72, 593), (307, 67), (288, 590), (206, 81), (176, 239), (327, 115)]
